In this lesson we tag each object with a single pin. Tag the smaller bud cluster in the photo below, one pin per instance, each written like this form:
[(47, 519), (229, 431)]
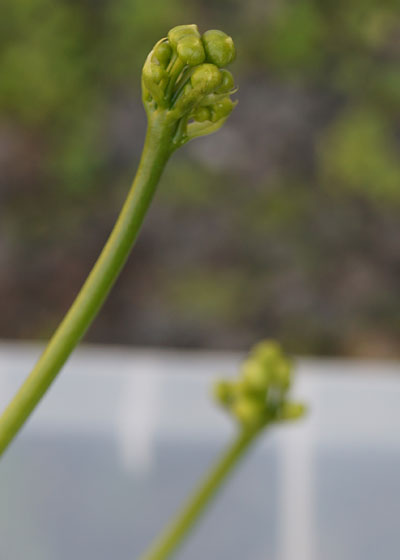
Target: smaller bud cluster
[(185, 75), (259, 396)]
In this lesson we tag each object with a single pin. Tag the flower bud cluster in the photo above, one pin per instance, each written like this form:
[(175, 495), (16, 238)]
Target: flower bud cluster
[(184, 74), (259, 396)]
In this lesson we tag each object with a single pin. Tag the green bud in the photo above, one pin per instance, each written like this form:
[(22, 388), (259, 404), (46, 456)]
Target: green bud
[(255, 374), (223, 392), (219, 47), (222, 109), (249, 411), (242, 388), (202, 114), (259, 396), (177, 33), (177, 79), (163, 53), (190, 50), (153, 72), (268, 352), (206, 78), (292, 411), (227, 82)]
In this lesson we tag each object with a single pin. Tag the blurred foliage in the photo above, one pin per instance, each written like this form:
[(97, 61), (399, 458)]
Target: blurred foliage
[(359, 153), (354, 49), (286, 225)]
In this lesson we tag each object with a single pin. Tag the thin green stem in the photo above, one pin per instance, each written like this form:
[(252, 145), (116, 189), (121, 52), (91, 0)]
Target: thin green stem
[(156, 151), (174, 73), (174, 534)]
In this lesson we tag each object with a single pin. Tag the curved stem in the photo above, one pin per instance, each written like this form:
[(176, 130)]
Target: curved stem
[(174, 534), (156, 151)]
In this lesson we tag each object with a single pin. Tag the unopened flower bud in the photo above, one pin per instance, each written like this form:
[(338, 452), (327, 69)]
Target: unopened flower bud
[(243, 388), (153, 72), (292, 411), (227, 82), (206, 78), (250, 412), (223, 392), (222, 109), (202, 114), (219, 47), (163, 53), (177, 33), (268, 352), (255, 374), (190, 50)]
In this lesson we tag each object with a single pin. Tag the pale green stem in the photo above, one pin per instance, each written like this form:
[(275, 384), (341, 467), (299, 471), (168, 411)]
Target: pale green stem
[(175, 533), (156, 151), (174, 73)]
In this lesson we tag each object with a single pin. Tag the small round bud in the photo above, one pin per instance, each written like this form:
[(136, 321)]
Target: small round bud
[(243, 389), (163, 53), (190, 50), (219, 47), (255, 375), (250, 412), (177, 33), (202, 114), (223, 392), (153, 72), (227, 82), (292, 411), (206, 78), (267, 352), (221, 109)]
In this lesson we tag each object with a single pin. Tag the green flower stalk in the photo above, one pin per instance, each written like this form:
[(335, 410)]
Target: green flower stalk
[(258, 398), (186, 94)]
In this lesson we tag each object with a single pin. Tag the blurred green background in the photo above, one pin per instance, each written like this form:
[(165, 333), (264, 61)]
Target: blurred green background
[(286, 223)]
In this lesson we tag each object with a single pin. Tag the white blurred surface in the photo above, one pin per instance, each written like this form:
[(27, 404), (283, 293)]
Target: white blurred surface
[(124, 434)]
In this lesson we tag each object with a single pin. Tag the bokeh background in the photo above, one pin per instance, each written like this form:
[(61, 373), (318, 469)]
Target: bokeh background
[(285, 224)]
